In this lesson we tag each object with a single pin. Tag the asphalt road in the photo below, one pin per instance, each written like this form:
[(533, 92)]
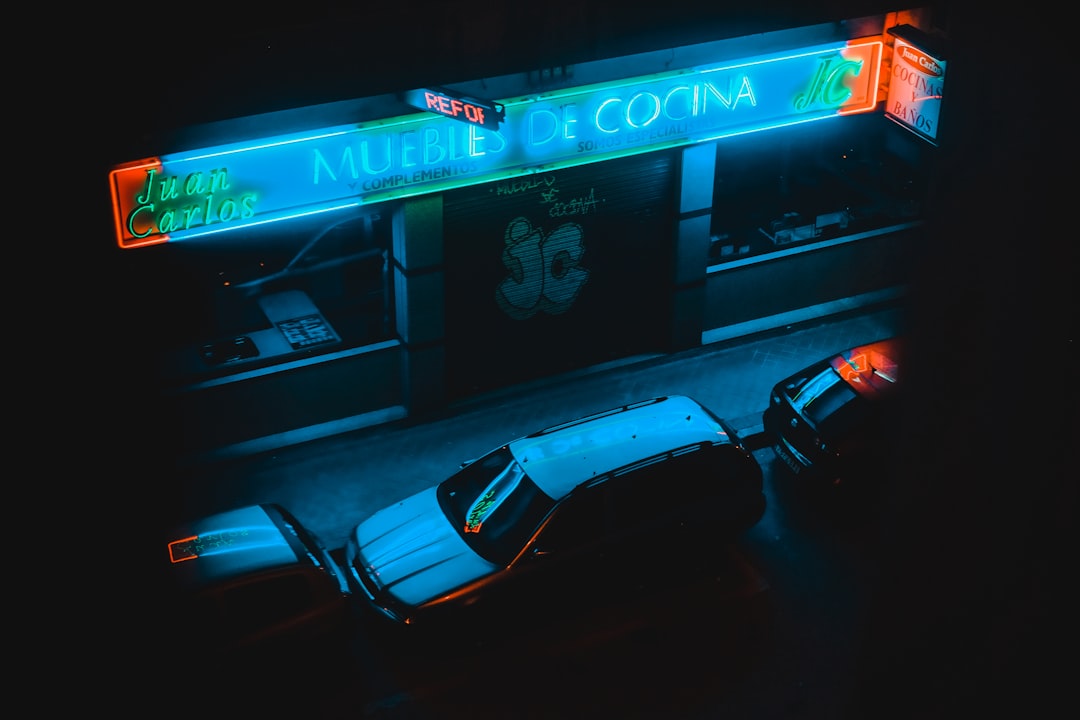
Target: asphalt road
[(884, 610), (771, 632)]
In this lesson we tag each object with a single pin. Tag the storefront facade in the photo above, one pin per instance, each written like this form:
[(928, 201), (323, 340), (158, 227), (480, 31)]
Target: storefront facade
[(388, 256)]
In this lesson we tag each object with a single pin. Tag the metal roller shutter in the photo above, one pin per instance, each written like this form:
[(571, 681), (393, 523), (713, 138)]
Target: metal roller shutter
[(557, 271)]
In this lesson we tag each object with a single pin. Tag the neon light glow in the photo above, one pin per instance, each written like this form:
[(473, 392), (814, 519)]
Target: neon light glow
[(869, 369), (456, 106), (183, 549), (191, 194), (222, 541)]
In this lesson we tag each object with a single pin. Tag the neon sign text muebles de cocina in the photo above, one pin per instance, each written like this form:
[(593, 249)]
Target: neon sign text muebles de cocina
[(244, 184)]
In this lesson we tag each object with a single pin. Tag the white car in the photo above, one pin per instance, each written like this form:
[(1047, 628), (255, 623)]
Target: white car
[(249, 582), (603, 503)]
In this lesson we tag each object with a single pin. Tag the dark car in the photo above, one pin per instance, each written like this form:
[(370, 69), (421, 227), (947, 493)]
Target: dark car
[(828, 422), (249, 585), (562, 518)]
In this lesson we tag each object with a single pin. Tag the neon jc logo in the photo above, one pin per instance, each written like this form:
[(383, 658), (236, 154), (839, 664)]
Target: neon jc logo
[(827, 86), (544, 272)]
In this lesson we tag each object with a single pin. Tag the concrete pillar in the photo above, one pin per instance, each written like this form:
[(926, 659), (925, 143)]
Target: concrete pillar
[(697, 171), (419, 307)]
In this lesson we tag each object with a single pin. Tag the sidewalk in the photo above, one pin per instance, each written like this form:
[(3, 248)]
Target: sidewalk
[(712, 340), (850, 320)]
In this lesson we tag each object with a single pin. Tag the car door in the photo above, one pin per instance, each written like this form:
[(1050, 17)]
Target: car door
[(650, 501), (564, 563), (673, 511)]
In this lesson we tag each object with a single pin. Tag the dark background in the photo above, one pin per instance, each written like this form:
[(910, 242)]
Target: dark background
[(972, 612), (975, 588)]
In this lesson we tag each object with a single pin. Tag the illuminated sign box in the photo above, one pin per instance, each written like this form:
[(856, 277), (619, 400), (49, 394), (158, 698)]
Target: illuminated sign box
[(190, 194), (916, 84), (468, 110)]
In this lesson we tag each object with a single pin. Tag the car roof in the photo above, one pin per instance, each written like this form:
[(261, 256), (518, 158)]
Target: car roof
[(230, 545), (560, 458)]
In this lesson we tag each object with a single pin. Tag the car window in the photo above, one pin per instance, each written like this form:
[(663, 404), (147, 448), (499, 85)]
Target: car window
[(495, 505), (650, 496), (578, 521), (826, 400), (640, 495), (844, 414)]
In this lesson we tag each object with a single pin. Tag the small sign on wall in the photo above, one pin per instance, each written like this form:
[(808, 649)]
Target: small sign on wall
[(916, 84), (461, 141), (483, 113)]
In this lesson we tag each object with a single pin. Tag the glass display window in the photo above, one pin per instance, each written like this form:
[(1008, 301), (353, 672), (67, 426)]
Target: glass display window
[(277, 294), (814, 183)]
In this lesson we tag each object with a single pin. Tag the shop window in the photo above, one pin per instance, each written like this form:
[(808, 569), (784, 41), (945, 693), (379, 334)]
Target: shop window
[(812, 184), (277, 294)]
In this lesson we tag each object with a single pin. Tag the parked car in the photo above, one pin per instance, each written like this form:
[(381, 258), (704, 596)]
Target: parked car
[(582, 511), (251, 584), (828, 421)]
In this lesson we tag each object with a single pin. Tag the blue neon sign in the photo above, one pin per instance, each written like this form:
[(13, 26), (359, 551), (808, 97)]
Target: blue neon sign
[(188, 194)]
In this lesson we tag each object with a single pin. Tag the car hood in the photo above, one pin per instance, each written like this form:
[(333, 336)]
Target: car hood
[(414, 553)]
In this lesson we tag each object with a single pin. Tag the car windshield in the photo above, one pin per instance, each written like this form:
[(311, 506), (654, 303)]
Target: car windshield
[(495, 505), (830, 404)]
